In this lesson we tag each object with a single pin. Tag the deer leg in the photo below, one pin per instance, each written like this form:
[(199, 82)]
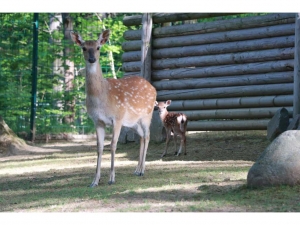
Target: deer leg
[(175, 141), (140, 132), (184, 142), (144, 132), (100, 144), (113, 147), (181, 144), (168, 131)]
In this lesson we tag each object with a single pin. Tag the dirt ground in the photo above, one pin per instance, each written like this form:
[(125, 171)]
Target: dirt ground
[(204, 146)]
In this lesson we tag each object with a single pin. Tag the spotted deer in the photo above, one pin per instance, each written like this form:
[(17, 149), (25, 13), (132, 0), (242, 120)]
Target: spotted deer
[(173, 122), (116, 102)]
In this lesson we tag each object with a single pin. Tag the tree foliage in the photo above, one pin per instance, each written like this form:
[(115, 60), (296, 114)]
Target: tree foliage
[(16, 68)]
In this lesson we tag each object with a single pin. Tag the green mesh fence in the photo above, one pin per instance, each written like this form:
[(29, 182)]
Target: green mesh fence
[(60, 84)]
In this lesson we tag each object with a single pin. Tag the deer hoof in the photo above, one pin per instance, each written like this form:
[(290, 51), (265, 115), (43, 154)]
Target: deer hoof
[(111, 182), (93, 185), (139, 173)]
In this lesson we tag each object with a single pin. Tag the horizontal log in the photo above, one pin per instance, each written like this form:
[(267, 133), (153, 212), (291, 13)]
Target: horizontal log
[(223, 25), (131, 66), (227, 103), (131, 56), (138, 73), (219, 48), (216, 26), (223, 48), (128, 46), (242, 113), (225, 36), (213, 60), (225, 70), (239, 80), (222, 59), (218, 37), (226, 92), (224, 125), (171, 17)]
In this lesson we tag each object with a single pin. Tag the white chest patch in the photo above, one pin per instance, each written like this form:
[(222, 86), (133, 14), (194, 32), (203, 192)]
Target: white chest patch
[(92, 69), (96, 112)]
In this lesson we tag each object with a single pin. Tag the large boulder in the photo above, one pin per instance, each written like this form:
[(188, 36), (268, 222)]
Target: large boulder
[(279, 164)]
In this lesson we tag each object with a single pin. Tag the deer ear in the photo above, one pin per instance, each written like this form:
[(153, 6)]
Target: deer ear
[(76, 38), (168, 102), (103, 37)]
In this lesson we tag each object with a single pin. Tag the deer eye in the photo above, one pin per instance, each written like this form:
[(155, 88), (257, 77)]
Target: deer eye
[(98, 48), (84, 48)]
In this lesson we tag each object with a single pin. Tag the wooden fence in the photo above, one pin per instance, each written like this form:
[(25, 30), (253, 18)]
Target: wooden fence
[(231, 74)]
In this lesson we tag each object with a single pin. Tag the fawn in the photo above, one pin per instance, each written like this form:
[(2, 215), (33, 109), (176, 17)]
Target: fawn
[(116, 102), (173, 122)]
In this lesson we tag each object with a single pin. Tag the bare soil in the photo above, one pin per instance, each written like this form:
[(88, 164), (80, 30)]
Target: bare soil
[(202, 146)]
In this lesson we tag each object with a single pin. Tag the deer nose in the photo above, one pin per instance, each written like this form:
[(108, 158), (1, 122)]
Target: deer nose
[(92, 60)]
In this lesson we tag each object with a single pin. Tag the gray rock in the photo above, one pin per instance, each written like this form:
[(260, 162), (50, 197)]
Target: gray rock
[(278, 124), (157, 129), (128, 135), (123, 135), (279, 164), (294, 123)]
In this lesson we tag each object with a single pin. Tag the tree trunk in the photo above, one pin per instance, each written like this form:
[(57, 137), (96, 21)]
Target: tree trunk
[(10, 144), (57, 70), (69, 69)]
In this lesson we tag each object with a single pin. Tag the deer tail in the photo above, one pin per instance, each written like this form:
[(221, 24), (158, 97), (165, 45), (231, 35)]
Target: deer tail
[(181, 119)]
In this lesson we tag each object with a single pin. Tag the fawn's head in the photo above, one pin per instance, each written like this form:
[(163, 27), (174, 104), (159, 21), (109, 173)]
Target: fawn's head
[(162, 106), (91, 49)]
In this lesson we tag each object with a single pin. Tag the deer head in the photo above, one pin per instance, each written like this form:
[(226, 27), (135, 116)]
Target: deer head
[(91, 49), (162, 106)]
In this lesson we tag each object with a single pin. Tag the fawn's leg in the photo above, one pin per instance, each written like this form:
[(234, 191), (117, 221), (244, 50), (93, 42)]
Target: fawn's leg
[(168, 132)]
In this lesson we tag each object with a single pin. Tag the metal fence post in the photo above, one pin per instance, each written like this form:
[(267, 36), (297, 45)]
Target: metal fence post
[(34, 75)]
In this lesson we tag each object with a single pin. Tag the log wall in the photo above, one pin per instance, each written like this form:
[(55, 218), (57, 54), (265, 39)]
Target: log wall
[(231, 74)]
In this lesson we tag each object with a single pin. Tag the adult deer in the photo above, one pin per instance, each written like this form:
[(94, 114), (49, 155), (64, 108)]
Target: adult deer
[(173, 122), (115, 102)]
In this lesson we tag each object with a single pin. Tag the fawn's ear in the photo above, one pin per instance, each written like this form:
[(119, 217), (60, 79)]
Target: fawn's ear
[(76, 38), (168, 102), (103, 37)]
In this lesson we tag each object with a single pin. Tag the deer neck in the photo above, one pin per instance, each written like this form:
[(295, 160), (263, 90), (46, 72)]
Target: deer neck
[(95, 83), (163, 115)]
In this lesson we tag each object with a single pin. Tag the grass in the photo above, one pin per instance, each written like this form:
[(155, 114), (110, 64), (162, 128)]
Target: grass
[(211, 178)]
